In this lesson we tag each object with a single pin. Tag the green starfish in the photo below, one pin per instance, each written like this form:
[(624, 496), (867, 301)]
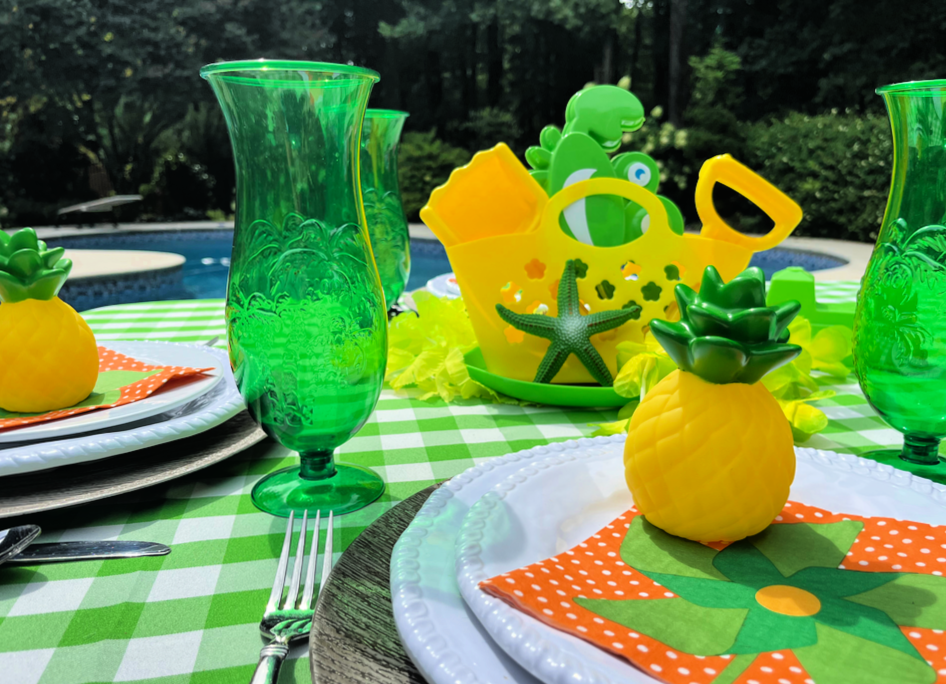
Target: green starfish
[(570, 332)]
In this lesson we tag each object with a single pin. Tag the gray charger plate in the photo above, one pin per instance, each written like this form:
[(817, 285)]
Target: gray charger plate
[(80, 483), (354, 639)]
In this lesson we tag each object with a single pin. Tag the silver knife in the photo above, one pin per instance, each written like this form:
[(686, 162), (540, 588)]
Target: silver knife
[(35, 554)]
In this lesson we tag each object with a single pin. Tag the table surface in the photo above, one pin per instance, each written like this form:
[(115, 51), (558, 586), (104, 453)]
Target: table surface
[(192, 617)]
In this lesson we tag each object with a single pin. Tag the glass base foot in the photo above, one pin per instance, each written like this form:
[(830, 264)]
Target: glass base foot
[(351, 488), (935, 472)]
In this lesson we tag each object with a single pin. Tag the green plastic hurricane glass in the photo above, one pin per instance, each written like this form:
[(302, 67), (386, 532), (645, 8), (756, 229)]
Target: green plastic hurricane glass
[(305, 312), (387, 224), (900, 320)]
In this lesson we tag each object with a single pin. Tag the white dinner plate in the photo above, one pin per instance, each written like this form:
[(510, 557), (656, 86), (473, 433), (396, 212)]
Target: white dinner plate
[(218, 404), (441, 636), (553, 504), (163, 400)]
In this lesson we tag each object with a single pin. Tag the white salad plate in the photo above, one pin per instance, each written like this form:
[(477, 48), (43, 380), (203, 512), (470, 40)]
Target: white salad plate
[(439, 633), (553, 504), (444, 285), (217, 402), (152, 353)]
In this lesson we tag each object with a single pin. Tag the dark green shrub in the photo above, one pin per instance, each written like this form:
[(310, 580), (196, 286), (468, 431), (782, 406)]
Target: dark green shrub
[(202, 137), (836, 166), (424, 162), (181, 189), (39, 171), (489, 126)]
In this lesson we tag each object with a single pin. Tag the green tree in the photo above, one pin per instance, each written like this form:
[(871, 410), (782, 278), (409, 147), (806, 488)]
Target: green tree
[(525, 57), (103, 69), (109, 78), (812, 55)]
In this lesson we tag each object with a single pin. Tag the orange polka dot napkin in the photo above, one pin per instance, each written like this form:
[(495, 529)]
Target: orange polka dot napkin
[(122, 380), (818, 597)]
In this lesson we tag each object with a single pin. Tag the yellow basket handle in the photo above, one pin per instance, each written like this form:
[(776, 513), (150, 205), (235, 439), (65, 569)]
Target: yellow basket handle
[(606, 186), (781, 208)]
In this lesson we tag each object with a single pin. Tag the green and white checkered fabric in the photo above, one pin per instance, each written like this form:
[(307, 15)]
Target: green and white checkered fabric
[(192, 617), (201, 320), (195, 321), (836, 291)]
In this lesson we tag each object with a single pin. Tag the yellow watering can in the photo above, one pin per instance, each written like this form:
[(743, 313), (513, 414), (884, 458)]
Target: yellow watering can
[(503, 239)]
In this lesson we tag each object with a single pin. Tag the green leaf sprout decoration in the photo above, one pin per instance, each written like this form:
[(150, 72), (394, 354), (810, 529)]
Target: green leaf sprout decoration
[(28, 270), (726, 333), (570, 331)]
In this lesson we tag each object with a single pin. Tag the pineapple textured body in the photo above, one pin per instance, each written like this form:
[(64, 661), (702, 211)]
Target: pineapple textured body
[(50, 356), (709, 462)]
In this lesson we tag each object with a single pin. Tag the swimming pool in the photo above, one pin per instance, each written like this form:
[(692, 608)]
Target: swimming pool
[(208, 258)]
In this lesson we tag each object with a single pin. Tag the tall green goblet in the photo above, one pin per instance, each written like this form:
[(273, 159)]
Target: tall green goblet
[(900, 320), (305, 312), (387, 224)]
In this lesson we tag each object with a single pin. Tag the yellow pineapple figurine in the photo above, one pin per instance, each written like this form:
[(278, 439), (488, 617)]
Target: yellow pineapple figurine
[(50, 359), (709, 454)]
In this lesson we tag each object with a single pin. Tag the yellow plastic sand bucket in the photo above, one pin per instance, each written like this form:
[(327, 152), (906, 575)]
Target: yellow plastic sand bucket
[(518, 259)]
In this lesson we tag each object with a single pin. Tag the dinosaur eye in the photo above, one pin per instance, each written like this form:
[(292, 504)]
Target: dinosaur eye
[(638, 173)]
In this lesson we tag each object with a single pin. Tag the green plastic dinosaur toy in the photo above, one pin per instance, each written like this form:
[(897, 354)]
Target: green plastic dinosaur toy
[(641, 169), (595, 120)]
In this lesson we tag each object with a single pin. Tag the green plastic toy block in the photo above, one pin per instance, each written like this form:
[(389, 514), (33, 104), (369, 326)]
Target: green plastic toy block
[(796, 283)]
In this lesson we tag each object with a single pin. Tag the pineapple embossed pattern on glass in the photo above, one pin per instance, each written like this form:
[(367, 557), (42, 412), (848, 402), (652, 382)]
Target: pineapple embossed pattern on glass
[(900, 320), (305, 311)]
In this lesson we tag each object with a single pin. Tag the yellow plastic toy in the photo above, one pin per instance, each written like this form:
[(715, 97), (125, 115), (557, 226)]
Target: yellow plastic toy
[(50, 358), (503, 238), (709, 455)]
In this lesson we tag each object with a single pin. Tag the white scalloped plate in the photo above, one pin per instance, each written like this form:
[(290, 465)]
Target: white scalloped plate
[(555, 503), (220, 403), (439, 633), (153, 353)]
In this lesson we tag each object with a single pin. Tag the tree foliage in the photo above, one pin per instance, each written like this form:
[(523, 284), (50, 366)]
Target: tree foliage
[(101, 96)]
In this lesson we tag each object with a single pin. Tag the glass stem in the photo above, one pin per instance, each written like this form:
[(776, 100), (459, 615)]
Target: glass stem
[(917, 449), (317, 465)]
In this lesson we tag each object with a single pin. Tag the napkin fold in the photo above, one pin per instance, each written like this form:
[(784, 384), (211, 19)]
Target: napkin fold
[(817, 597), (122, 380)]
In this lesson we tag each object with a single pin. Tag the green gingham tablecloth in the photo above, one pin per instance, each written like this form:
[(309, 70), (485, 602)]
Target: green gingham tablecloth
[(192, 617)]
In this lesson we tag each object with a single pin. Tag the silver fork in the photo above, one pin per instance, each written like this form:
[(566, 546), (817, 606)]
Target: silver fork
[(292, 622)]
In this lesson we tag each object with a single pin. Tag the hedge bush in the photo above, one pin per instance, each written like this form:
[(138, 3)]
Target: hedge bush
[(836, 166)]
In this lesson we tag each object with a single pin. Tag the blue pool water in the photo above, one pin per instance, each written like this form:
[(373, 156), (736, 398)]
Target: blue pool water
[(208, 257)]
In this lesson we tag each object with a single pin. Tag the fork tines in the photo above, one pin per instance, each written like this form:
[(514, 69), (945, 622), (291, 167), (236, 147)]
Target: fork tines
[(300, 558)]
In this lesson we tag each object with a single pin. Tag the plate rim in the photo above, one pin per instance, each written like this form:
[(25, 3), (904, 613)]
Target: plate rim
[(469, 566), (326, 636), (247, 439), (435, 660), (89, 447), (57, 426)]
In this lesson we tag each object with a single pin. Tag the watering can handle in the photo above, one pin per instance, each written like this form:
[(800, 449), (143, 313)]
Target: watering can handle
[(781, 208), (606, 186)]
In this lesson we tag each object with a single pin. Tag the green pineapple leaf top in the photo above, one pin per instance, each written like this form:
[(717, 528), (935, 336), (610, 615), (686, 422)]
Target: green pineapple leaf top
[(726, 333), (28, 270)]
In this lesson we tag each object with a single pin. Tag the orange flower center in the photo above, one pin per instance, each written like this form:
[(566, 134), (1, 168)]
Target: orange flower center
[(786, 600)]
